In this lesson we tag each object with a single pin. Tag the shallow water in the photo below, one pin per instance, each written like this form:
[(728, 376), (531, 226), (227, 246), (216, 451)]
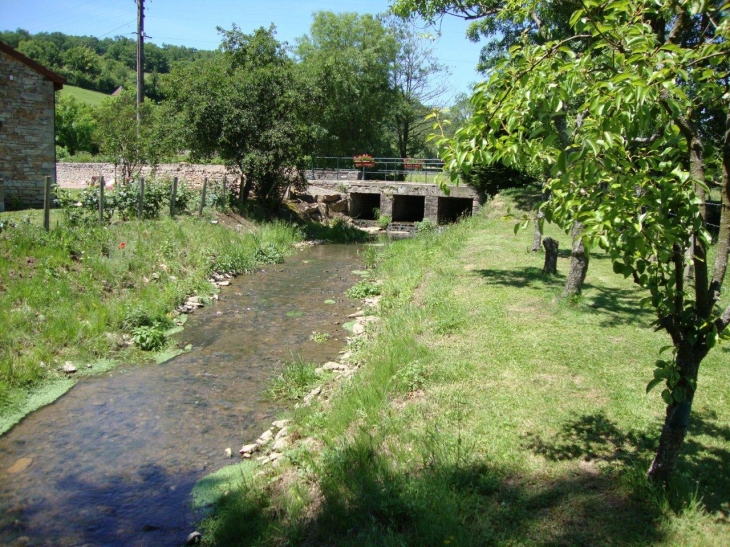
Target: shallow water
[(112, 462)]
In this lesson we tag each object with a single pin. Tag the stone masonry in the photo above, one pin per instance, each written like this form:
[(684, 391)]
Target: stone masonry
[(79, 175), (27, 126), (388, 192)]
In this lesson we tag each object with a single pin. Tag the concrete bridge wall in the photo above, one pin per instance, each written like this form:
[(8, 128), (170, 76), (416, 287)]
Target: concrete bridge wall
[(403, 201)]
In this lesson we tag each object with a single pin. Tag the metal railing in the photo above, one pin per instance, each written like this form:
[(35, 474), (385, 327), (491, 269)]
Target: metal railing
[(395, 169)]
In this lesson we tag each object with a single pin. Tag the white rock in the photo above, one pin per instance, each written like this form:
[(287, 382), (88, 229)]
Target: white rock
[(369, 319), (223, 283), (280, 444), (194, 538), (249, 449), (283, 432), (358, 328), (229, 453), (69, 368), (358, 313), (275, 456), (331, 365), (280, 424), (265, 437), (311, 395)]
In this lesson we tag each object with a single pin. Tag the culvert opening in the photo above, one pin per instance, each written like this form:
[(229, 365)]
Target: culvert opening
[(451, 209), (364, 206), (408, 208)]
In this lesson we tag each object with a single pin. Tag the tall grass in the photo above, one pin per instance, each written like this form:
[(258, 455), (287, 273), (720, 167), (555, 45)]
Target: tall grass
[(72, 293)]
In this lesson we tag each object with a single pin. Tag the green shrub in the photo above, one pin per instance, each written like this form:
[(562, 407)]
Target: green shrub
[(363, 289), (426, 226), (149, 338)]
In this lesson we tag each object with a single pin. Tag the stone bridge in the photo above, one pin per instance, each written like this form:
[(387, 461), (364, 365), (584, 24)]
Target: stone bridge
[(403, 201)]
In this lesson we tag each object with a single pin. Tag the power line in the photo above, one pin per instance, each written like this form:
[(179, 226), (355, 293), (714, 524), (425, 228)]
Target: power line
[(124, 25)]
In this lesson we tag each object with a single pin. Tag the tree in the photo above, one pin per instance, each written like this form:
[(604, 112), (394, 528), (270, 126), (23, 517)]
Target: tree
[(633, 170), (418, 80), (245, 107), (75, 126), (124, 142), (43, 52), (349, 59)]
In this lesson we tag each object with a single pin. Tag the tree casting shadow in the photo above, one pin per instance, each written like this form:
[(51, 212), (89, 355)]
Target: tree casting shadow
[(529, 277), (618, 306), (596, 437), (363, 499)]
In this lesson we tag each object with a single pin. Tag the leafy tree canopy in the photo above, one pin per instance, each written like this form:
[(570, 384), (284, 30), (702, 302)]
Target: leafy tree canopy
[(245, 107)]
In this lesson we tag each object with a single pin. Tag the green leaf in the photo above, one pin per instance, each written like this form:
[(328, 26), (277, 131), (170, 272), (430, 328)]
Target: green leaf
[(680, 394), (655, 382), (667, 397)]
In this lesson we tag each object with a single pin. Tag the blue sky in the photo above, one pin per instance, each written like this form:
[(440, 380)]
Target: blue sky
[(193, 23)]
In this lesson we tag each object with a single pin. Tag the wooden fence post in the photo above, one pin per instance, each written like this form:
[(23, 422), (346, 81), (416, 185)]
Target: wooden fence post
[(140, 203), (101, 199), (202, 197), (173, 196), (2, 196), (223, 192), (47, 204)]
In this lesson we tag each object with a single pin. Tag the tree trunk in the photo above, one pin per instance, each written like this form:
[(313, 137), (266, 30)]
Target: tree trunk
[(578, 264), (244, 191), (676, 420), (551, 256), (537, 238)]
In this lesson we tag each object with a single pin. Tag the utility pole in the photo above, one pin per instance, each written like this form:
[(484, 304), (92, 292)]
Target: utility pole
[(140, 56)]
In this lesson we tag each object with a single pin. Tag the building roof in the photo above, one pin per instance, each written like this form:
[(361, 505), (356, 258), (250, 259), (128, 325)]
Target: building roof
[(57, 79)]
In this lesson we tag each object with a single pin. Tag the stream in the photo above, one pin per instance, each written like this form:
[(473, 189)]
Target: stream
[(113, 462)]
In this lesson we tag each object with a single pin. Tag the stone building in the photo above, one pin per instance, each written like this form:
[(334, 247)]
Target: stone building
[(27, 128)]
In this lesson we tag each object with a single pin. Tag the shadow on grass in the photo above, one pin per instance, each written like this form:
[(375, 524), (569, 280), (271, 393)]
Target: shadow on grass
[(527, 198), (362, 499), (619, 306), (596, 437), (526, 277)]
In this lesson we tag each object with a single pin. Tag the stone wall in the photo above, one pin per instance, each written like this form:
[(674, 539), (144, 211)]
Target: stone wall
[(79, 175), (27, 145)]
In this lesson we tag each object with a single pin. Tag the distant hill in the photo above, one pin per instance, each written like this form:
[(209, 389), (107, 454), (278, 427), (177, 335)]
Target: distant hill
[(87, 96)]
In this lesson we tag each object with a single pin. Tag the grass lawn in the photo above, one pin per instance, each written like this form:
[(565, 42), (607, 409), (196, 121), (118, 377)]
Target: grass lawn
[(94, 98), (487, 411)]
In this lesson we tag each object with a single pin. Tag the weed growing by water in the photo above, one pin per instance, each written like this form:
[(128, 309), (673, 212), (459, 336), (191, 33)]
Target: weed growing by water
[(320, 337), (363, 289), (296, 379)]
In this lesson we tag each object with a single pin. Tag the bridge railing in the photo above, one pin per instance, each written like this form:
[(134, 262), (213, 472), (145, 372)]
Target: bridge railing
[(419, 170)]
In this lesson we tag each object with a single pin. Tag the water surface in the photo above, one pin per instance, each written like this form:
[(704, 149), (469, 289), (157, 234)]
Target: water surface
[(112, 462)]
